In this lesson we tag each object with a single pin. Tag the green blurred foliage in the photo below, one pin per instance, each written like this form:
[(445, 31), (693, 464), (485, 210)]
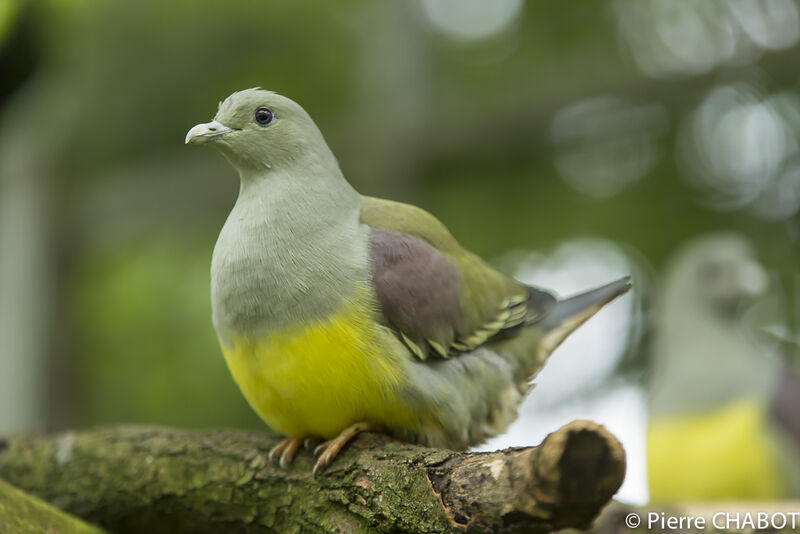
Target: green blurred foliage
[(144, 311)]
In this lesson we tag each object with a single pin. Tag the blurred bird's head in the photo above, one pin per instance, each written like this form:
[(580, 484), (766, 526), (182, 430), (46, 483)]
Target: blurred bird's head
[(257, 130), (718, 272)]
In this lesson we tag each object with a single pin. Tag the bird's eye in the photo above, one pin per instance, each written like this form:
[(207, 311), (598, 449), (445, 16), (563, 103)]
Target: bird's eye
[(263, 116)]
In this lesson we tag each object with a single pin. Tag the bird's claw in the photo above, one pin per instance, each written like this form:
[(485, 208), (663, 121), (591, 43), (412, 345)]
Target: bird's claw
[(284, 452), (327, 451)]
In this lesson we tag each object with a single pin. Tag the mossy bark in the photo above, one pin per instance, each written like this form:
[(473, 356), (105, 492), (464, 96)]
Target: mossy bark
[(144, 479)]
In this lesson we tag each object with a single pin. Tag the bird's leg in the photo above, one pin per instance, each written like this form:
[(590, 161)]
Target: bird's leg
[(328, 450), (285, 451)]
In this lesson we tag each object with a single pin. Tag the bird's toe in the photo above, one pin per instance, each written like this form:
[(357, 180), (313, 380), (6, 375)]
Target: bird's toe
[(284, 452), (288, 453), (327, 452)]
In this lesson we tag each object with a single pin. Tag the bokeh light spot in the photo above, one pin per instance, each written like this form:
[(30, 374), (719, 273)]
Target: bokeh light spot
[(604, 144), (471, 19), (739, 149)]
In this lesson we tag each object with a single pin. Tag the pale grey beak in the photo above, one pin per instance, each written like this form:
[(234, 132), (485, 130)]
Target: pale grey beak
[(206, 132)]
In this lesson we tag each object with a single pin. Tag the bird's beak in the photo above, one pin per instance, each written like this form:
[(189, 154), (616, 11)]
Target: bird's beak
[(206, 132)]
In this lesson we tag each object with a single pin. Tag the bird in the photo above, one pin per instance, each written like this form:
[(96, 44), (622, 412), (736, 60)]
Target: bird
[(339, 313), (724, 421)]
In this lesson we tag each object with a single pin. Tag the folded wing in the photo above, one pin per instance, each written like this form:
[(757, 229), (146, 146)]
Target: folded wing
[(438, 298)]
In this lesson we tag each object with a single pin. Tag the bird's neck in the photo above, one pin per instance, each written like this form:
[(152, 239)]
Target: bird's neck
[(291, 249), (695, 348), (299, 194)]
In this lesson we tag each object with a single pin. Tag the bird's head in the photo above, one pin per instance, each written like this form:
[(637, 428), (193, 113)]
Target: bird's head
[(257, 129), (718, 272)]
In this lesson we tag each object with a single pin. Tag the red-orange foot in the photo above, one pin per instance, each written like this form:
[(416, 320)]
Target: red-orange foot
[(328, 451), (285, 451)]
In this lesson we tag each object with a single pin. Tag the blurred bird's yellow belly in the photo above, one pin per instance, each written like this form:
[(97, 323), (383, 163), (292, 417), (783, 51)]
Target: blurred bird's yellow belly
[(725, 454), (321, 377)]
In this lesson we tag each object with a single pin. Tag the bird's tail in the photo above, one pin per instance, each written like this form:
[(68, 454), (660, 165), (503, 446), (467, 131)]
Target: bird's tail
[(570, 313)]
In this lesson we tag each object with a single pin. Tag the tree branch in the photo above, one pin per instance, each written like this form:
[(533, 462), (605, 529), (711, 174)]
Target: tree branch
[(21, 513), (145, 479)]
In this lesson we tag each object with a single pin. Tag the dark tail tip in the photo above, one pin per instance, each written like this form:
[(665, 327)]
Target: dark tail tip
[(582, 306)]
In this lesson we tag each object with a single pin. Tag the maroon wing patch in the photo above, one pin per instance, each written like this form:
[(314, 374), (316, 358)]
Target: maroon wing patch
[(418, 290)]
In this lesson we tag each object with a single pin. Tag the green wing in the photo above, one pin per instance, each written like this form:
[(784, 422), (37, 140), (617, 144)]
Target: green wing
[(438, 297)]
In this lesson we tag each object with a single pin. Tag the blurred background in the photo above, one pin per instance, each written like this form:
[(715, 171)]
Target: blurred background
[(568, 143)]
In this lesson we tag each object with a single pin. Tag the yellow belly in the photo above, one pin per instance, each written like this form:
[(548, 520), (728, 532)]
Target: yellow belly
[(320, 378), (722, 455)]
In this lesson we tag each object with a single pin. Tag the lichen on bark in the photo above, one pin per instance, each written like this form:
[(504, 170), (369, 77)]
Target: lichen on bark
[(159, 480)]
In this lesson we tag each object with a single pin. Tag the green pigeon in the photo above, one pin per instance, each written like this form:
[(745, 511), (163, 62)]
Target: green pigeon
[(724, 406), (339, 313)]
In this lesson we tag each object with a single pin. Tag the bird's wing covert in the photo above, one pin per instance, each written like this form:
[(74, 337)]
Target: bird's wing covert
[(439, 298)]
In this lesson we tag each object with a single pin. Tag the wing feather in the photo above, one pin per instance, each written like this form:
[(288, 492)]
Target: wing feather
[(440, 299)]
